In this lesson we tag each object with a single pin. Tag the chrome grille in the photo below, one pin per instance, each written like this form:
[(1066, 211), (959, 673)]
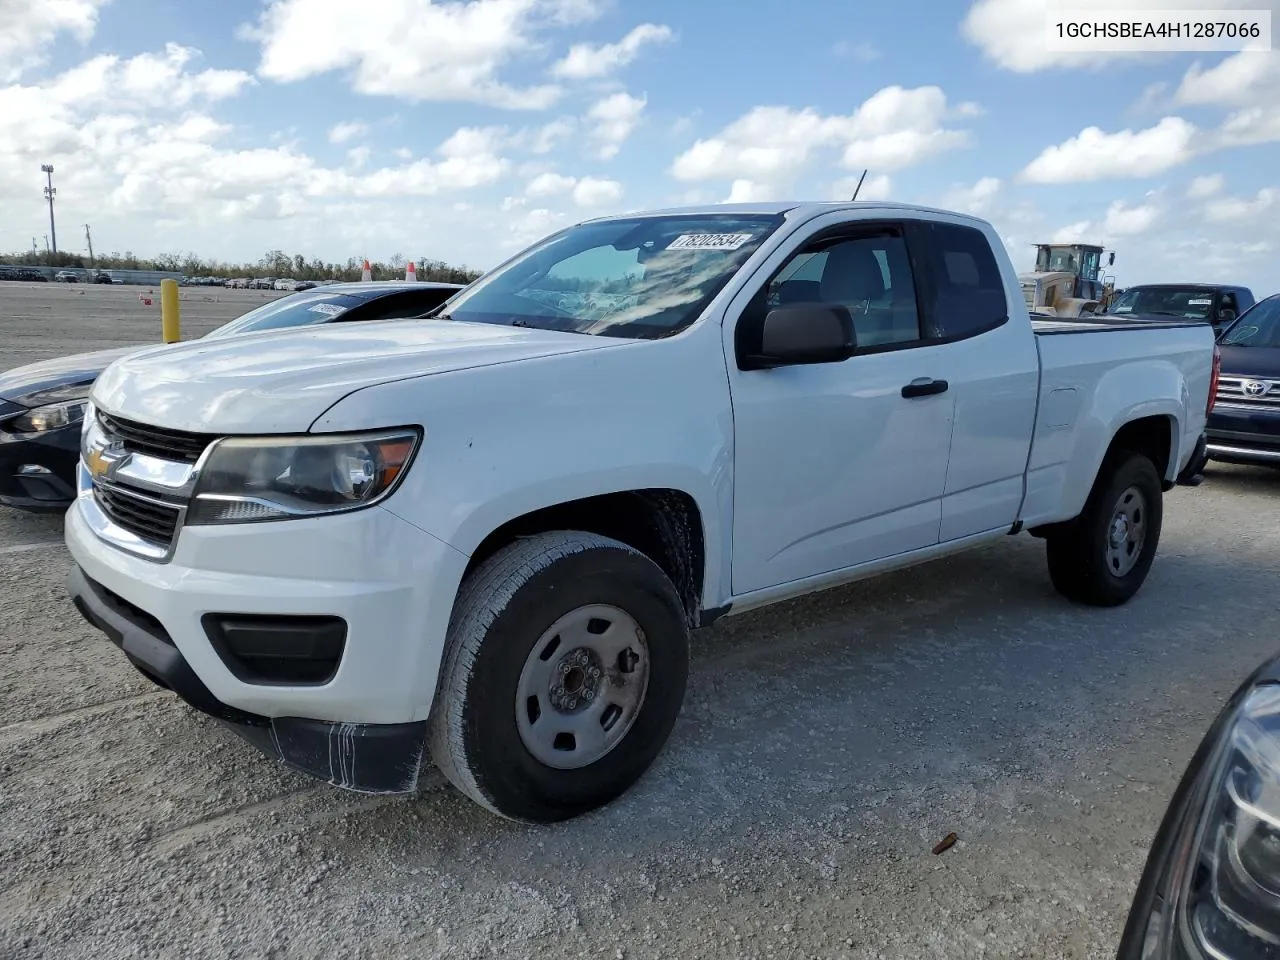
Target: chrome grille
[(161, 442), (1249, 392), (147, 517)]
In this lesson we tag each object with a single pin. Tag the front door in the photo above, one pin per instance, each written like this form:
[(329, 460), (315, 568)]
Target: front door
[(835, 464)]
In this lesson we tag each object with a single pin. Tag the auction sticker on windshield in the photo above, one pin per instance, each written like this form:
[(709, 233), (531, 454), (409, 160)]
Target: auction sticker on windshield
[(709, 241), (1199, 303), (328, 309)]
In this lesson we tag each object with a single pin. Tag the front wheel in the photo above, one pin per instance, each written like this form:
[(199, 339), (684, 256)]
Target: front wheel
[(564, 671), (1103, 556)]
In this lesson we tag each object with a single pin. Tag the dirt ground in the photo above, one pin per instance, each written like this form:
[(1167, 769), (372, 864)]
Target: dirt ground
[(826, 745)]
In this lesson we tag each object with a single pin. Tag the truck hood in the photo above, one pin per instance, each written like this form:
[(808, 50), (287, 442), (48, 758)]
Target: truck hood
[(281, 381), (66, 378), (1262, 363)]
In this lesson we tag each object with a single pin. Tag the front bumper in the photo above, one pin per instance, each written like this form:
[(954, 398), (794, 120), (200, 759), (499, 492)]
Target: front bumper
[(38, 470), (390, 583), (1245, 435), (369, 758)]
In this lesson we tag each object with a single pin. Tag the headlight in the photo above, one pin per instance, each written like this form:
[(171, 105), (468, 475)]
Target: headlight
[(1211, 890), (50, 417), (276, 478)]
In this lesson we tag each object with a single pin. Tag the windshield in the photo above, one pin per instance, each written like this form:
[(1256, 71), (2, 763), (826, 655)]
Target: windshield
[(1259, 327), (641, 277), (298, 310), (1184, 303)]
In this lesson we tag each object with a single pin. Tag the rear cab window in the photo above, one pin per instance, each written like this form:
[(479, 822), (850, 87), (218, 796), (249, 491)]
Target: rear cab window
[(962, 288)]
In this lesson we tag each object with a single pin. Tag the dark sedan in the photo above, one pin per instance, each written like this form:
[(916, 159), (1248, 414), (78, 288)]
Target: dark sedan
[(1244, 426), (42, 404)]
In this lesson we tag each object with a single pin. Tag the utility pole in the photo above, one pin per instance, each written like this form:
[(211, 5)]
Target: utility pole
[(89, 240), (46, 244), (49, 192)]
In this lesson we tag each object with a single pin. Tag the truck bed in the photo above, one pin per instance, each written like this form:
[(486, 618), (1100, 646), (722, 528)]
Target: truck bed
[(1047, 326), (1086, 378)]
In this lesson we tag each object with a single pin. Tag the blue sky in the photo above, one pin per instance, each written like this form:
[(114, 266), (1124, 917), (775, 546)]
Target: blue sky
[(461, 131)]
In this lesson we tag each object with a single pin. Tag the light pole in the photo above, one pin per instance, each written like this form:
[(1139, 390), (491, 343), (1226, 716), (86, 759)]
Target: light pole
[(49, 193)]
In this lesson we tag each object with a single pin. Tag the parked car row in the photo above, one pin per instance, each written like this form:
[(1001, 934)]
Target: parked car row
[(259, 283), (25, 274)]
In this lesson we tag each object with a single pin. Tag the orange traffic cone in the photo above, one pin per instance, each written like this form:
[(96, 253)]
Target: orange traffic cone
[(366, 274), (411, 272)]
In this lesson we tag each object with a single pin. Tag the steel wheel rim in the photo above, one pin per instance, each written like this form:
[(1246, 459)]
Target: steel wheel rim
[(582, 686), (1127, 531)]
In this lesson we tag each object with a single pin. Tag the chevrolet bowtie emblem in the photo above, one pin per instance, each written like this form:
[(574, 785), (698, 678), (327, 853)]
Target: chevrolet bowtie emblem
[(99, 463), (96, 463)]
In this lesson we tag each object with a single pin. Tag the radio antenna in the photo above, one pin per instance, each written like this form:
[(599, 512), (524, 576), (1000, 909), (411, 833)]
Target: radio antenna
[(859, 186)]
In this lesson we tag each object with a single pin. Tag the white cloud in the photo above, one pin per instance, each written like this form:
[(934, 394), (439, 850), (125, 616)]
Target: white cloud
[(976, 199), (358, 156), (347, 130), (1073, 232), (1248, 81), (863, 51), (402, 153), (1095, 155), (1237, 209), (595, 192), (1236, 81), (892, 129), (748, 191), (586, 61), (549, 184), (546, 138), (611, 121), (1206, 186), (416, 50), (1013, 33), (585, 191), (1127, 221), (149, 80), (31, 25)]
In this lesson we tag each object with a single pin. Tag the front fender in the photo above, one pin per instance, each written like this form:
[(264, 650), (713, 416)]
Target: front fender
[(506, 440)]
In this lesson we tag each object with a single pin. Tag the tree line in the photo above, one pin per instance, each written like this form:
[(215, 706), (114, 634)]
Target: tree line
[(274, 263)]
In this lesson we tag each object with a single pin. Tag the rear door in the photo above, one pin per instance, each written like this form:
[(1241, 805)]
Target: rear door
[(994, 371)]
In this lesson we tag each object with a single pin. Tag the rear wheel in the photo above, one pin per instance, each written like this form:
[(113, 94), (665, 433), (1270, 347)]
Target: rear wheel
[(564, 672), (1103, 556)]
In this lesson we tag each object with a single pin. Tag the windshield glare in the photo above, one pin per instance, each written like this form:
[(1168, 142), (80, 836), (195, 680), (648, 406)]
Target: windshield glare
[(641, 277), (1259, 327), (1166, 301), (293, 311)]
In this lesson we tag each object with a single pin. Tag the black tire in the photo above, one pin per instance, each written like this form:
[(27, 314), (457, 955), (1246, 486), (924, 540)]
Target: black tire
[(1077, 553), (503, 607)]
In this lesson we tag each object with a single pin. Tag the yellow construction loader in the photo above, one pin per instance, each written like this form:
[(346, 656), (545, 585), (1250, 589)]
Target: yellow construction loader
[(1068, 280)]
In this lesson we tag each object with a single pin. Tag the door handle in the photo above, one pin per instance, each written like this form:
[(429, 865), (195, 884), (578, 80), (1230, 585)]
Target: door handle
[(924, 387)]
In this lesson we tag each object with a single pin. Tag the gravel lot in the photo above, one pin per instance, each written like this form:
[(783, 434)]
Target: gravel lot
[(825, 747)]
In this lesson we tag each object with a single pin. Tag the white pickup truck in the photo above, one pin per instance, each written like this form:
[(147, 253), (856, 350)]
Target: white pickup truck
[(482, 538)]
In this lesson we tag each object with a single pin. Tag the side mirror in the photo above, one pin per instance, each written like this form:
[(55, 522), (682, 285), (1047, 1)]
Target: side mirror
[(1111, 261), (1226, 315), (806, 333)]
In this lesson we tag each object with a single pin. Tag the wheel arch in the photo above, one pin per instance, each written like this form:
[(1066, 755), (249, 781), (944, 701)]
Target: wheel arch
[(665, 524)]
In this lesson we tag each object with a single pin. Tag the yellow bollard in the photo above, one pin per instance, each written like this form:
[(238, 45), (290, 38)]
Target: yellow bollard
[(170, 312)]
